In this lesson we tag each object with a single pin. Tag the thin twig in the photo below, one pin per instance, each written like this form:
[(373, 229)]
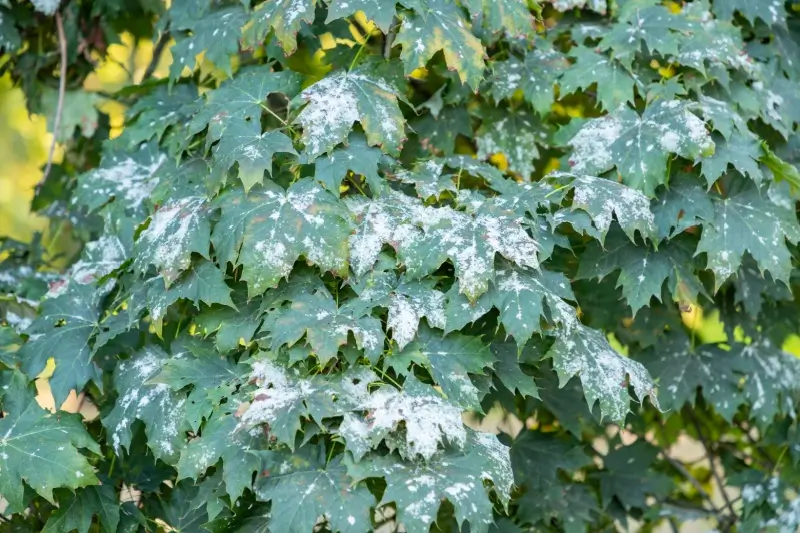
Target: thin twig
[(62, 89), (710, 456), (158, 49), (677, 465)]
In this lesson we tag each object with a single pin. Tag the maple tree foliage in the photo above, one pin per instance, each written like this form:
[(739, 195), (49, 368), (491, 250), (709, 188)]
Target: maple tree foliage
[(334, 235)]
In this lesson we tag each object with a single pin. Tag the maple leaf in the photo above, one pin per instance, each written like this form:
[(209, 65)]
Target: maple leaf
[(603, 372), (161, 409), (356, 156), (177, 229), (244, 143), (515, 136), (34, 437), (749, 222), (512, 17), (440, 26), (363, 95), (535, 76), (267, 230), (640, 146), (216, 34), (283, 17), (614, 83), (418, 489), (326, 327)]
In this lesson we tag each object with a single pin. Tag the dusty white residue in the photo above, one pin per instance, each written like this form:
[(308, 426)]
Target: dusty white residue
[(169, 232), (334, 103), (126, 179), (405, 312), (100, 258), (428, 419)]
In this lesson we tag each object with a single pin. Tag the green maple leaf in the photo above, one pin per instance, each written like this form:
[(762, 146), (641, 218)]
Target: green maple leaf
[(161, 409), (656, 26), (752, 286), (302, 488), (536, 76), (614, 83), (508, 371), (243, 142), (10, 40), (640, 146), (356, 156), (283, 17), (63, 330), (574, 505), (267, 230), (714, 41), (76, 511), (99, 259), (242, 97), (204, 282), (438, 133), (602, 199), (643, 271), (408, 301), (604, 373), (471, 243), (525, 296), (749, 222), (416, 420), (428, 179), (378, 11), (512, 17), (771, 379), (326, 327), (366, 94), (40, 448), (222, 439), (154, 113), (513, 135), (537, 457), (128, 177), (216, 33), (451, 359), (741, 150), (440, 26), (627, 476), (772, 12), (418, 488), (231, 324), (682, 369), (683, 205), (723, 115), (177, 229)]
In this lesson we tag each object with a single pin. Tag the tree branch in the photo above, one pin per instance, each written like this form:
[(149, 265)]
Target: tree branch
[(158, 49), (62, 89), (714, 472)]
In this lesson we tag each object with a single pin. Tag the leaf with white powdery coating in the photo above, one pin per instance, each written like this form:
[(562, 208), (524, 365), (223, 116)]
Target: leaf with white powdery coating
[(451, 359), (326, 327), (267, 230), (640, 146), (161, 409), (441, 27), (337, 101), (535, 75), (41, 448), (602, 199), (749, 222), (419, 488), (177, 229), (604, 373), (243, 142), (303, 488), (356, 156), (512, 17), (284, 18)]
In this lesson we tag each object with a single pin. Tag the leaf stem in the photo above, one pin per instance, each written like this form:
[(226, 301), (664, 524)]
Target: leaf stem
[(158, 50), (358, 54)]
